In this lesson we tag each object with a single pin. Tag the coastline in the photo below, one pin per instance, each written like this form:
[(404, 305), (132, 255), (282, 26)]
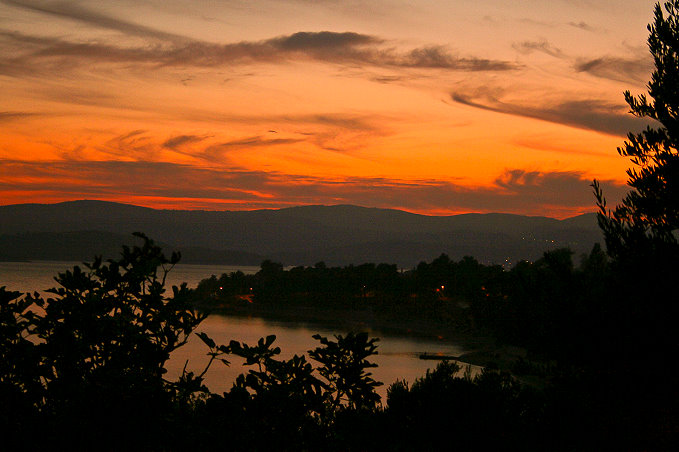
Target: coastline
[(480, 349)]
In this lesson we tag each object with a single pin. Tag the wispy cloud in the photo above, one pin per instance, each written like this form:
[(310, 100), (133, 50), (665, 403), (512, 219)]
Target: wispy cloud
[(582, 26), (527, 47), (140, 145), (326, 46), (181, 140), (219, 150), (330, 131), (386, 79), (136, 144), (588, 114), (6, 116), (351, 122), (636, 69), (77, 12), (541, 143)]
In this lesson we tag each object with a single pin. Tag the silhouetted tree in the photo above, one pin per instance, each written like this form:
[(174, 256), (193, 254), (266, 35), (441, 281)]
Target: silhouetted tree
[(86, 367), (651, 208), (89, 361), (446, 411), (639, 311)]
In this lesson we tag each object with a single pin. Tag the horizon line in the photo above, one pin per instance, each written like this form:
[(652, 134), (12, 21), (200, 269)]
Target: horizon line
[(397, 209)]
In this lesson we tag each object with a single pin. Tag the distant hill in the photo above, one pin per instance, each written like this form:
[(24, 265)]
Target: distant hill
[(84, 245), (338, 235)]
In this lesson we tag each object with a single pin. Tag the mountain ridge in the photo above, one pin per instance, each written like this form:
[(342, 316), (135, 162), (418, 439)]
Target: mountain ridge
[(303, 235)]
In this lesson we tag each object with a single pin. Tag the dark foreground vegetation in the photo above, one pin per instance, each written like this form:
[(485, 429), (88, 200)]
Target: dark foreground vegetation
[(84, 369), (533, 305)]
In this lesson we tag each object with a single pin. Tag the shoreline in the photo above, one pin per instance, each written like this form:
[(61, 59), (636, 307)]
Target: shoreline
[(480, 350)]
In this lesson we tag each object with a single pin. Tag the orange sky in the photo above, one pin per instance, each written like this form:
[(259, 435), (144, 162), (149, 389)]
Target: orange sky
[(431, 107)]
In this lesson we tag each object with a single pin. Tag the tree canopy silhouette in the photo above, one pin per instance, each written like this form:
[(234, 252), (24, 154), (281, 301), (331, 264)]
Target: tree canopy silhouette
[(638, 312), (651, 208), (88, 366)]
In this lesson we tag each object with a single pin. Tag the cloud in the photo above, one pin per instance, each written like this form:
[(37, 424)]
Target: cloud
[(78, 96), (338, 132), (326, 46), (343, 121), (439, 57), (581, 25), (527, 47), (539, 143), (588, 114), (6, 116), (557, 188), (180, 140), (139, 145), (219, 149), (182, 186), (131, 145), (298, 122), (636, 69), (386, 79), (515, 191), (539, 23), (324, 40), (76, 12)]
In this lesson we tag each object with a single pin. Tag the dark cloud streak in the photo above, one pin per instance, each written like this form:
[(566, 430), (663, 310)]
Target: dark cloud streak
[(76, 12), (527, 47), (581, 25), (252, 142), (584, 114), (6, 116), (331, 47), (618, 69), (304, 41), (181, 140)]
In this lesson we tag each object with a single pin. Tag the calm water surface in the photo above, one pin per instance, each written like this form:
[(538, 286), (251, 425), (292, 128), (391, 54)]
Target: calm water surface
[(398, 357)]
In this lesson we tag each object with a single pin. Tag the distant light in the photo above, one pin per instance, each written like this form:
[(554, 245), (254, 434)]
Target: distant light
[(221, 288)]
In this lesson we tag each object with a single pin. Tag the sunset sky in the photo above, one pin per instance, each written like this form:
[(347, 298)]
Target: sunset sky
[(435, 107)]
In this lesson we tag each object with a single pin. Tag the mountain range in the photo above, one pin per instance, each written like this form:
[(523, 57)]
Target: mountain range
[(337, 235)]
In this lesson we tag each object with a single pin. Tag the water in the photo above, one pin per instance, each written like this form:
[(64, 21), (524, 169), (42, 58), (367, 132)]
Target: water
[(398, 357), (39, 275)]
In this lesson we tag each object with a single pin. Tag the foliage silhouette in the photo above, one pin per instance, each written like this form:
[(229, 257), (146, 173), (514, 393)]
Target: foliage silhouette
[(88, 366), (344, 367), (93, 356), (651, 209), (638, 312)]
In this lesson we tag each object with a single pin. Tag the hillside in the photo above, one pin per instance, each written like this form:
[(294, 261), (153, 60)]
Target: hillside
[(338, 235)]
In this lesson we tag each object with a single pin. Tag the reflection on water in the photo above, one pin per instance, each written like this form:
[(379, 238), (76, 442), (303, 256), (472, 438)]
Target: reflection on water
[(398, 357)]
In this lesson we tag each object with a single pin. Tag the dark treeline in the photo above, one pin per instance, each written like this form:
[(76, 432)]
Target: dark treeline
[(85, 369), (533, 305)]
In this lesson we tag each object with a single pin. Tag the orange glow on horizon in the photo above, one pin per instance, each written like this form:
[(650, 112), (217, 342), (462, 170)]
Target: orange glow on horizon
[(486, 116)]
